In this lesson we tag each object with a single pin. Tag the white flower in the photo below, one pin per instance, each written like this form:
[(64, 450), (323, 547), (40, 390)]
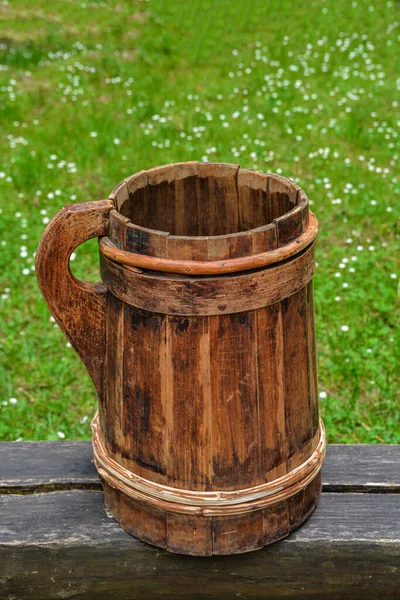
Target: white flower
[(25, 271), (61, 435), (323, 395), (13, 401), (116, 141), (344, 328), (393, 276), (93, 134)]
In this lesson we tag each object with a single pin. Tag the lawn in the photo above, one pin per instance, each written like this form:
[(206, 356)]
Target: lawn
[(92, 92)]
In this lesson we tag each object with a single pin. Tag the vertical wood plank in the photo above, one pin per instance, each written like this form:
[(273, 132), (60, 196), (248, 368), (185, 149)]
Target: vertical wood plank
[(143, 521), (312, 365), (296, 509), (189, 534), (242, 532), (240, 244), (234, 400), (117, 229), (135, 208), (160, 213), (275, 522), (218, 247), (297, 402), (218, 184), (279, 201), (289, 226), (188, 248), (144, 419), (264, 238), (120, 195), (186, 199), (189, 460), (270, 363), (113, 416), (252, 199), (146, 241)]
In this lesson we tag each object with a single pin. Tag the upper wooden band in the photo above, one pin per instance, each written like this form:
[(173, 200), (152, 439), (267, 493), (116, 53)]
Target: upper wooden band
[(211, 267), (173, 295), (212, 503)]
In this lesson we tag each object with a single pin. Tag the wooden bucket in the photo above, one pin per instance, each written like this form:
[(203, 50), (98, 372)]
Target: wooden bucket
[(200, 341)]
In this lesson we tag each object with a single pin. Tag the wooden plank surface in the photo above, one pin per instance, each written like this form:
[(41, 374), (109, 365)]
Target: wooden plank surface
[(33, 466), (64, 545)]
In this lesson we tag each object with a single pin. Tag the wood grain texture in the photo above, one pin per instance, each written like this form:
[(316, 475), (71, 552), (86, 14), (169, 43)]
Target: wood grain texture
[(218, 246), (234, 400), (189, 535), (141, 520), (312, 363), (218, 185), (112, 406), (298, 412), (208, 200), (207, 384), (61, 542), (78, 307), (144, 419), (254, 209), (190, 421), (271, 399), (207, 295)]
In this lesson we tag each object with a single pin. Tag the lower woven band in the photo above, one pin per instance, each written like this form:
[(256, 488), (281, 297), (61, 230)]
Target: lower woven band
[(212, 503)]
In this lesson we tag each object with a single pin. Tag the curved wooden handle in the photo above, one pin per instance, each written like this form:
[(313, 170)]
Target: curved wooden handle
[(77, 306)]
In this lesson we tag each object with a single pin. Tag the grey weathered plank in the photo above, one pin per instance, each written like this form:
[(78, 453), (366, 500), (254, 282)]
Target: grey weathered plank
[(40, 466), (47, 466), (362, 468), (63, 545)]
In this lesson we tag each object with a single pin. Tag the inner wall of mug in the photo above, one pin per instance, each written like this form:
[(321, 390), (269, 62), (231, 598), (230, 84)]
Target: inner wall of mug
[(205, 199)]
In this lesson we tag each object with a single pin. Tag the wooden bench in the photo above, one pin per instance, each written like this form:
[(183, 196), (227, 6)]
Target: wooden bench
[(57, 541)]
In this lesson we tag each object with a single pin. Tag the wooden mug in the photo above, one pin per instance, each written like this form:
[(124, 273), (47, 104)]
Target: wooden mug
[(200, 342)]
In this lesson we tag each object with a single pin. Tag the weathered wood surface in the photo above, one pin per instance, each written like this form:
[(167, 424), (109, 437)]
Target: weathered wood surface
[(77, 306), (63, 544), (189, 403), (180, 363), (188, 296), (46, 466)]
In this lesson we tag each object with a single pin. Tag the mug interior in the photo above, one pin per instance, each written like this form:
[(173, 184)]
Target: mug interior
[(205, 199)]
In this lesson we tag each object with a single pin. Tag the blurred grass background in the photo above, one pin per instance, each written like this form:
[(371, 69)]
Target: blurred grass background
[(91, 92)]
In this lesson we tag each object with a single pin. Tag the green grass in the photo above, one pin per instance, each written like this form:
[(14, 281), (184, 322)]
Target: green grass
[(308, 90)]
